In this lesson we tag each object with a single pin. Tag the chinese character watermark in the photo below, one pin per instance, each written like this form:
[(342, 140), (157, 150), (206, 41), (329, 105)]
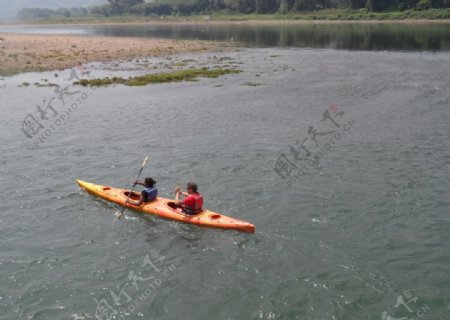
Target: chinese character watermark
[(307, 152), (128, 297), (48, 118), (407, 307)]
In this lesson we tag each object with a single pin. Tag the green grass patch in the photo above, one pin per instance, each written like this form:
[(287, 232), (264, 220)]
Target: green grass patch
[(252, 84), (176, 76), (46, 85)]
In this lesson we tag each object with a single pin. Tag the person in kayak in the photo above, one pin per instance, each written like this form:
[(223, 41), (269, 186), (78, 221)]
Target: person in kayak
[(193, 202), (148, 194)]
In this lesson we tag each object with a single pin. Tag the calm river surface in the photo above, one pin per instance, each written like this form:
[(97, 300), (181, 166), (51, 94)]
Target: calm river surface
[(349, 36), (340, 158)]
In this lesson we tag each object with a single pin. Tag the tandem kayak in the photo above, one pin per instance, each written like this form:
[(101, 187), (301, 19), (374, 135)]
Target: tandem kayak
[(166, 208)]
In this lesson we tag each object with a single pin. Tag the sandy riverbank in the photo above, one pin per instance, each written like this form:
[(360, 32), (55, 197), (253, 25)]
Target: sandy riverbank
[(25, 52)]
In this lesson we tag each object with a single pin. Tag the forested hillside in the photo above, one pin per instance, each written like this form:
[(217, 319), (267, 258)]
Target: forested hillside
[(191, 7)]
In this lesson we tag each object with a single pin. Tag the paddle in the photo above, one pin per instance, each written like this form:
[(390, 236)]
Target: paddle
[(177, 193), (120, 214)]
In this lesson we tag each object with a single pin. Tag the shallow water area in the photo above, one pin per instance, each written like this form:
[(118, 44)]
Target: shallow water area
[(357, 228)]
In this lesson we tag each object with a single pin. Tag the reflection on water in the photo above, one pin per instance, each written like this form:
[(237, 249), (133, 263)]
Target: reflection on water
[(347, 36), (336, 36)]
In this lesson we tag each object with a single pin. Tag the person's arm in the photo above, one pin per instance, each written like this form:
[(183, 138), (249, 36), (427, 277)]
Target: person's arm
[(179, 193), (178, 202), (188, 201), (178, 190), (136, 203), (139, 183)]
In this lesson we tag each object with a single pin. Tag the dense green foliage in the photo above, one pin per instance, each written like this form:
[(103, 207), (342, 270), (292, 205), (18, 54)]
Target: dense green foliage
[(195, 7), (188, 7), (123, 6)]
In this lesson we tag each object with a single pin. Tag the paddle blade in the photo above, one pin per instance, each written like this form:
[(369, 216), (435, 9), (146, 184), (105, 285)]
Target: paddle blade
[(145, 161)]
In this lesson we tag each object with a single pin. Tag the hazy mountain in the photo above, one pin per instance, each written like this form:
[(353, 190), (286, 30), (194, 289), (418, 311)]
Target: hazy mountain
[(10, 8)]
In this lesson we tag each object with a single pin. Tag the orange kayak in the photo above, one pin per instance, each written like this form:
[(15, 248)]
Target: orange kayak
[(166, 208)]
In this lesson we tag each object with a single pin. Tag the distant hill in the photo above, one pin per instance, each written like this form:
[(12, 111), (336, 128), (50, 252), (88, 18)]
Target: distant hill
[(10, 8)]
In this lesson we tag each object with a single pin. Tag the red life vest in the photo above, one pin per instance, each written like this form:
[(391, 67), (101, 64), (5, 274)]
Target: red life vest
[(193, 204)]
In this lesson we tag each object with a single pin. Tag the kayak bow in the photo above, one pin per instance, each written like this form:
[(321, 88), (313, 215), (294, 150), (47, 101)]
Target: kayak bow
[(166, 208)]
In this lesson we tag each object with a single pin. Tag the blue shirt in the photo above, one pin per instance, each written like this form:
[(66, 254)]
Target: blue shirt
[(149, 194)]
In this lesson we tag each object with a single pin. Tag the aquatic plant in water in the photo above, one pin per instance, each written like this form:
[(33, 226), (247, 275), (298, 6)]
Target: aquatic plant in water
[(176, 76)]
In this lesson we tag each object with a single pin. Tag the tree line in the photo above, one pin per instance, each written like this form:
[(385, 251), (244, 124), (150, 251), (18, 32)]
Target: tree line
[(191, 7), (45, 13), (188, 7)]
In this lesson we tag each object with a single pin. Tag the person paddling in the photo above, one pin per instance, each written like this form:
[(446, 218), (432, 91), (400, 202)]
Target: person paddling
[(148, 194), (193, 203)]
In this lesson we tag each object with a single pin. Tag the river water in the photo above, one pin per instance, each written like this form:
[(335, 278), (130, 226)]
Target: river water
[(433, 36), (340, 158)]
